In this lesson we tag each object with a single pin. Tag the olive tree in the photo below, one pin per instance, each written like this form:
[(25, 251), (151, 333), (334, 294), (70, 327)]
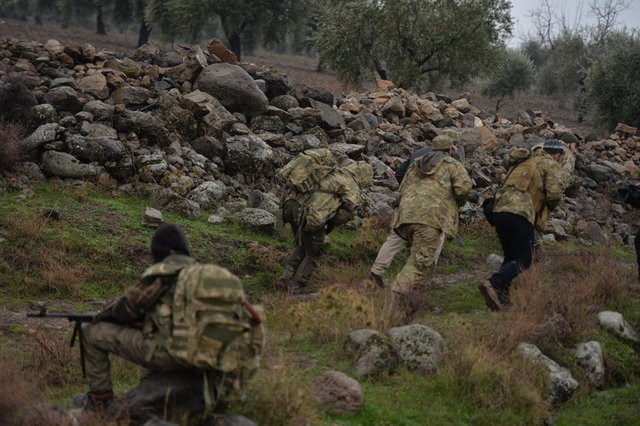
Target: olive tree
[(419, 41), (613, 81), (512, 73)]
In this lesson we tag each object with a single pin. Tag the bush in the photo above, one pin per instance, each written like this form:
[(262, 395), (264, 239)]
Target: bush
[(613, 82), (12, 149), (16, 100)]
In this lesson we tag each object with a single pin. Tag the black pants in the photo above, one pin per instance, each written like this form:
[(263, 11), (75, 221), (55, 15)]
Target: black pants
[(637, 243), (516, 236)]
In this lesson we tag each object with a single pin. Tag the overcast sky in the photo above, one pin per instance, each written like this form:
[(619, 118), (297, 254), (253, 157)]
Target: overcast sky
[(573, 10)]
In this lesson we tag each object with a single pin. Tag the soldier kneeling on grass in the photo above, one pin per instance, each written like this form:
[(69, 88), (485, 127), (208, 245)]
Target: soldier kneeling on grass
[(181, 316)]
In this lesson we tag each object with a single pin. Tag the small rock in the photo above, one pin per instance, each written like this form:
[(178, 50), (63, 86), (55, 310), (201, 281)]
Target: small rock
[(338, 393)]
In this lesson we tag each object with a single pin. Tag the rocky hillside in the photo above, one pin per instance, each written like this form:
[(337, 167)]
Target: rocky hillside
[(195, 130)]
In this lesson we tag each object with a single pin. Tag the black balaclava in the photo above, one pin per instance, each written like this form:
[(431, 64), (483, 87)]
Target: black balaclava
[(168, 239)]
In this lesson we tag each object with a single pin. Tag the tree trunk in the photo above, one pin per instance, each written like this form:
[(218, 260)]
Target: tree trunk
[(381, 71), (100, 22), (144, 33), (235, 44)]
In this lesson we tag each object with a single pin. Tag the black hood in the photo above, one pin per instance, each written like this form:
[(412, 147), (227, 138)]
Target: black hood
[(168, 239)]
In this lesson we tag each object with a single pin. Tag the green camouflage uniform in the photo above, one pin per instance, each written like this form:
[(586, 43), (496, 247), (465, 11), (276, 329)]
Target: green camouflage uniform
[(433, 188), (312, 214), (532, 189), (135, 326)]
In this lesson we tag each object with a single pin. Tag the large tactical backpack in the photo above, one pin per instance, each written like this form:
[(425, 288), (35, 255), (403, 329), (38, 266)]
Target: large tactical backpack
[(213, 326), (307, 169)]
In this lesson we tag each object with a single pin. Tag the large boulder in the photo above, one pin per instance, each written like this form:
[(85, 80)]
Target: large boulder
[(249, 155), (142, 124), (615, 324), (65, 165), (208, 194), (420, 348), (374, 352), (234, 88), (338, 393), (589, 357), (100, 149), (563, 385)]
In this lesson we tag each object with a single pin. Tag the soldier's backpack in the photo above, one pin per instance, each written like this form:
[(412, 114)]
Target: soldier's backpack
[(307, 169), (213, 326)]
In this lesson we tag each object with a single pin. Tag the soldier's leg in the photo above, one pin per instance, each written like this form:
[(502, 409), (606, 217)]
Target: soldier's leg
[(517, 238), (103, 338), (391, 246), (290, 214), (426, 245), (312, 242)]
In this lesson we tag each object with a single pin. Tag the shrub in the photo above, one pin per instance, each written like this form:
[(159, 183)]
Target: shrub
[(12, 149), (16, 100), (277, 396), (613, 82)]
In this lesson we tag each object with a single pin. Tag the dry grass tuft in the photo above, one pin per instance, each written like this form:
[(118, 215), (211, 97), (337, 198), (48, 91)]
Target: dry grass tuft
[(51, 361), (12, 148), (58, 273), (15, 393), (337, 311), (494, 383), (558, 305), (277, 396)]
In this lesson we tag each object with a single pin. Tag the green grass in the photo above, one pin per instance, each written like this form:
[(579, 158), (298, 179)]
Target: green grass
[(101, 243)]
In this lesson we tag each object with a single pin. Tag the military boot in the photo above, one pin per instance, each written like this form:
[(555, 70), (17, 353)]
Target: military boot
[(378, 279), (282, 283), (401, 309), (95, 402), (490, 296)]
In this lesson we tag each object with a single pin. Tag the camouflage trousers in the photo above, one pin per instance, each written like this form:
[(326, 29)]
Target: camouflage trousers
[(426, 245), (308, 245), (104, 338)]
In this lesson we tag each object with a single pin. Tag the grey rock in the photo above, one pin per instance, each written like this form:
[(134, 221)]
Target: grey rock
[(258, 219), (152, 217), (44, 134), (97, 130), (348, 149), (142, 124), (99, 149), (208, 194), (374, 352), (100, 110), (30, 170), (44, 113), (95, 84), (249, 155), (233, 87), (589, 356), (209, 109), (267, 123), (284, 102), (420, 348), (331, 118), (151, 167), (65, 165), (338, 393), (130, 95), (64, 99), (563, 385), (615, 324), (598, 172)]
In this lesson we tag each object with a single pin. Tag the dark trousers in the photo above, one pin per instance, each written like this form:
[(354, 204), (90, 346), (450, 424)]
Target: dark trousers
[(516, 236), (308, 245), (637, 243)]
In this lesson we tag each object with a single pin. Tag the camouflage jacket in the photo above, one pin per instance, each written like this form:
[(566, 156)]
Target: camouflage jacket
[(431, 191), (146, 302), (532, 189)]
